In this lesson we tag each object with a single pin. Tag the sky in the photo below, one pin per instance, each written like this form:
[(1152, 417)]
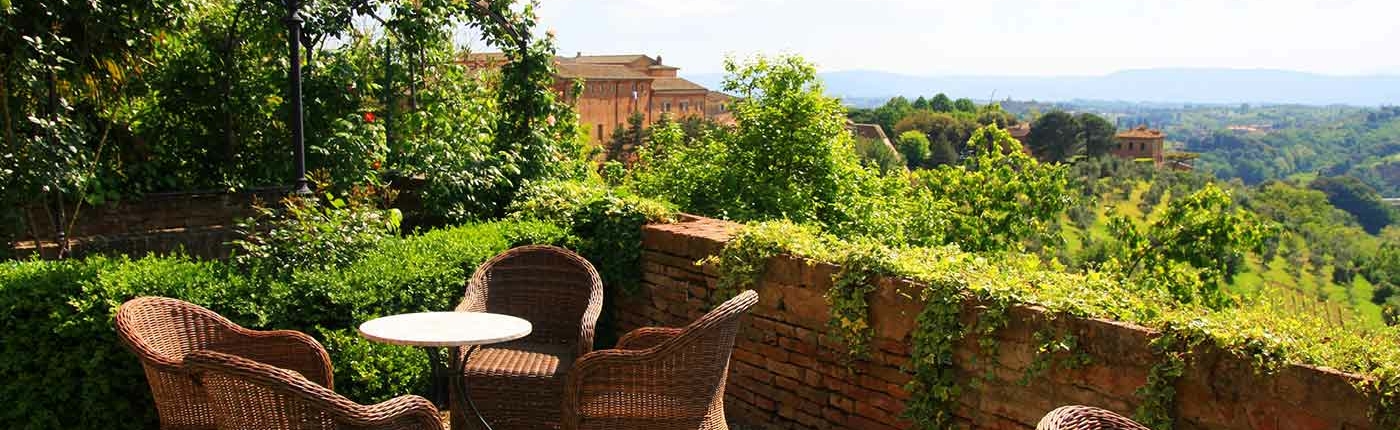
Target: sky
[(992, 37)]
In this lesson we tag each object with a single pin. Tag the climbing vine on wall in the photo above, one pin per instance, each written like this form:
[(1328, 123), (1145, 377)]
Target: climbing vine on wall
[(1173, 348), (950, 279), (861, 268)]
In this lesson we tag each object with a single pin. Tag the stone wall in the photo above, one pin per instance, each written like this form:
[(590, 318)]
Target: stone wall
[(785, 374), (200, 223)]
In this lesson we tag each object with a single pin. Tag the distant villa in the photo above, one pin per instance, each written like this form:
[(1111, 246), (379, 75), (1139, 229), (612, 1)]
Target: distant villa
[(616, 86), (1139, 143)]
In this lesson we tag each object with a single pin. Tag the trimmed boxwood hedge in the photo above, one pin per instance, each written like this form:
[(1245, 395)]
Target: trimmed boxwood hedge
[(64, 367)]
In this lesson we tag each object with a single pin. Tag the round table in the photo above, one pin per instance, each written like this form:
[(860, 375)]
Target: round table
[(434, 331)]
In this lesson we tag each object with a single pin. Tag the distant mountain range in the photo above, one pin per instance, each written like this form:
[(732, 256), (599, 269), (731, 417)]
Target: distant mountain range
[(1226, 86)]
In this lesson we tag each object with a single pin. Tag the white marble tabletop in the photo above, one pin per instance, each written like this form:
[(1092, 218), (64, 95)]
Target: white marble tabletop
[(444, 329)]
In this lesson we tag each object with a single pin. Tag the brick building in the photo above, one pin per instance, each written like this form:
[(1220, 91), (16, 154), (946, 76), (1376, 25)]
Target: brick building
[(717, 107), (616, 86), (1141, 143), (1138, 143)]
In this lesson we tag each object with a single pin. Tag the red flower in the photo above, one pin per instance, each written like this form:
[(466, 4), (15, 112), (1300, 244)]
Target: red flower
[(369, 116), (374, 165)]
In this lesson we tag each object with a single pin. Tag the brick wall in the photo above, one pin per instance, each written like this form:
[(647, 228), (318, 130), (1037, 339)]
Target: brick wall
[(198, 223), (785, 374)]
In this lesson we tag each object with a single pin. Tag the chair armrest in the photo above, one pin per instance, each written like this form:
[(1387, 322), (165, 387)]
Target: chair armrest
[(647, 337), (287, 349), (403, 412)]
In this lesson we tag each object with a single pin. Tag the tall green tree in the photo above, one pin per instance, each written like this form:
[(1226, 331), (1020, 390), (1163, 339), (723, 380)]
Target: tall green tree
[(627, 140), (921, 103), (964, 105), (1097, 134), (941, 103), (1055, 137), (789, 156)]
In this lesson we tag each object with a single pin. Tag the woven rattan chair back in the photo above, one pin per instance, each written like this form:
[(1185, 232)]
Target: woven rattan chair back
[(163, 331), (1075, 417), (677, 384), (248, 395), (555, 289)]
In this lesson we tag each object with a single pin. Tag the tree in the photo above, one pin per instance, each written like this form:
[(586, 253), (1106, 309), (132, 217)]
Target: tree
[(1357, 198), (789, 157), (941, 152), (941, 103), (921, 103), (914, 145), (999, 199), (627, 140), (1097, 133), (964, 105), (65, 70), (939, 127), (993, 114), (1055, 137), (892, 111), (1192, 250)]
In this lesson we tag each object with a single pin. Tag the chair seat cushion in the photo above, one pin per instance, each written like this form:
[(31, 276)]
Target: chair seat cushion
[(516, 385), (520, 360)]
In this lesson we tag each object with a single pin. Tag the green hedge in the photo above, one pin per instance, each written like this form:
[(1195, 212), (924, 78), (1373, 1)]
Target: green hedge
[(65, 368)]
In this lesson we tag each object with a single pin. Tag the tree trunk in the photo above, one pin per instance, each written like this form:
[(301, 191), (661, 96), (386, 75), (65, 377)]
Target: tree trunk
[(58, 222), (10, 141), (227, 75)]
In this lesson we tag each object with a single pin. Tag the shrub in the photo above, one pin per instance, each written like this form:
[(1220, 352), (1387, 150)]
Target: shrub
[(66, 368), (307, 232), (605, 224)]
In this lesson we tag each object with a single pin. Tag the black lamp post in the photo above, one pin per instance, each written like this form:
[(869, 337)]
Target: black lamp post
[(294, 21)]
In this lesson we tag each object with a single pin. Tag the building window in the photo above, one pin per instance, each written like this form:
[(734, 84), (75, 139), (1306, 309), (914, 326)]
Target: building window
[(600, 132), (666, 107), (685, 106)]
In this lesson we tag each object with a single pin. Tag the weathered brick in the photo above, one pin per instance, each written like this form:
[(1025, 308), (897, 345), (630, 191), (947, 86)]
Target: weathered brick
[(783, 369)]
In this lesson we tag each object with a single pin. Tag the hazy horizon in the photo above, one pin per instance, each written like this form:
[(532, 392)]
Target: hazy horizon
[(993, 38)]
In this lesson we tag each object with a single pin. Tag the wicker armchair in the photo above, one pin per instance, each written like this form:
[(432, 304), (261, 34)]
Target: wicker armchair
[(658, 378), (163, 331), (519, 384), (248, 395), (1076, 417)]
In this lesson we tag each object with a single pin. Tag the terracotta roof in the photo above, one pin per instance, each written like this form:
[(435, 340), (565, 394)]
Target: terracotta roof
[(1019, 131), (1142, 132), (572, 70), (610, 59), (716, 96), (869, 131), (675, 84)]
